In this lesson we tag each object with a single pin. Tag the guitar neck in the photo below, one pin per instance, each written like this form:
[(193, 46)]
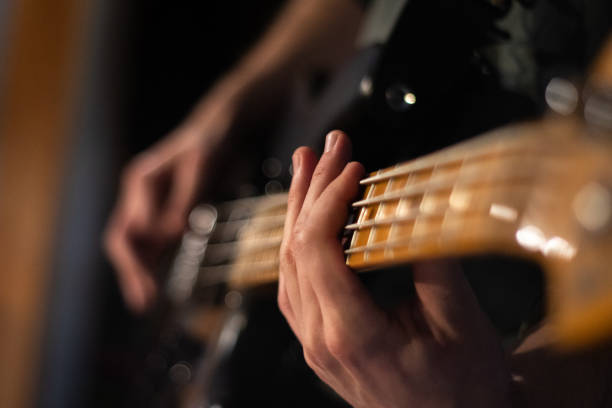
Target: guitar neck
[(531, 190), (540, 190), (467, 199)]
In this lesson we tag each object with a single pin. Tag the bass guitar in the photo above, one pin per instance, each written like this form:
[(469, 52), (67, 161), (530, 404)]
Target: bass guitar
[(538, 190)]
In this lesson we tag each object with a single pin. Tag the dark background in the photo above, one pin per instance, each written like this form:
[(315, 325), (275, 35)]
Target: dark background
[(148, 62)]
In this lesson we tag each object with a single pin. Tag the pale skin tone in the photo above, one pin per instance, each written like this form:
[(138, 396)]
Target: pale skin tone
[(308, 34), (159, 187), (437, 350)]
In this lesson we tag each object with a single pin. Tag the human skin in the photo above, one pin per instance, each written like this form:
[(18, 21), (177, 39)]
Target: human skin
[(159, 187), (436, 350)]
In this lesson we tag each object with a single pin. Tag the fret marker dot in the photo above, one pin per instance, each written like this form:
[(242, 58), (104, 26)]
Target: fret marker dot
[(530, 237), (503, 212), (459, 200)]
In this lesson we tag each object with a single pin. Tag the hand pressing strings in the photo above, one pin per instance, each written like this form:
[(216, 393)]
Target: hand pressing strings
[(436, 350)]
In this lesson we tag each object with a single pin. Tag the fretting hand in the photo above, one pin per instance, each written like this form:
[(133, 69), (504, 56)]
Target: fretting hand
[(436, 350)]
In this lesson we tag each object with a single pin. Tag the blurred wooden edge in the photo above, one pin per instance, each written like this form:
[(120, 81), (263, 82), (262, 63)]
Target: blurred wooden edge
[(43, 65), (601, 71)]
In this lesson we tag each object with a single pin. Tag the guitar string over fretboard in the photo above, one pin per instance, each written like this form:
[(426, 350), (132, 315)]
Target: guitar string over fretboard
[(467, 198)]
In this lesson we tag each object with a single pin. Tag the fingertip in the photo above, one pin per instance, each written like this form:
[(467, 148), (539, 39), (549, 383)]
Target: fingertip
[(338, 141), (140, 294), (303, 153), (303, 158), (351, 175), (336, 134), (134, 297), (355, 169)]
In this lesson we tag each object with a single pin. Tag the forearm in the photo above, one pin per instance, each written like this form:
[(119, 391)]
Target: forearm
[(307, 35)]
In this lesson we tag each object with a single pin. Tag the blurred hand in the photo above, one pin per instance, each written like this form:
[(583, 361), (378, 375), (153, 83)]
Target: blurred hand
[(158, 189), (437, 350)]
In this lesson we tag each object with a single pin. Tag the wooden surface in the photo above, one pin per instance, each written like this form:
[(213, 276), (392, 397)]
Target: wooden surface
[(41, 71)]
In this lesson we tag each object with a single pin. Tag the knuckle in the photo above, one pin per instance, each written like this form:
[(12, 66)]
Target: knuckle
[(334, 193), (285, 255), (313, 359), (283, 302), (315, 354), (301, 240), (322, 168), (292, 198), (286, 260), (340, 346)]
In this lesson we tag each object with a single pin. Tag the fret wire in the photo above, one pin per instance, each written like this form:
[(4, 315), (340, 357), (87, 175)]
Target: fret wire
[(406, 241), (242, 209), (372, 231), (274, 221), (245, 247), (483, 205), (379, 210), (382, 245), (447, 180), (399, 210), (388, 221), (419, 219), (388, 254), (249, 233), (362, 214), (452, 208), (419, 213), (210, 275), (422, 187), (245, 209), (268, 201), (231, 231)]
